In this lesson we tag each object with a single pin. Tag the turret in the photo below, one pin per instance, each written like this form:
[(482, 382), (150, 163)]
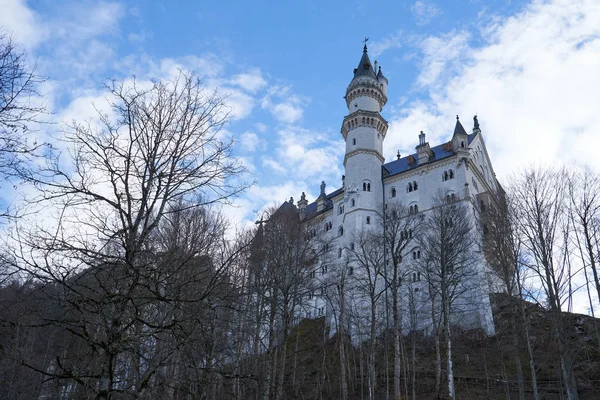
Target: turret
[(368, 88), (460, 139)]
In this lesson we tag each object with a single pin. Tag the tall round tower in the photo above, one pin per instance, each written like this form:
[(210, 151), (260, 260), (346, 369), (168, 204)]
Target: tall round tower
[(364, 130)]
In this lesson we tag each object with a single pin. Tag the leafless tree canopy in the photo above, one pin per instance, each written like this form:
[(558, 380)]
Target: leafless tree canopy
[(18, 108)]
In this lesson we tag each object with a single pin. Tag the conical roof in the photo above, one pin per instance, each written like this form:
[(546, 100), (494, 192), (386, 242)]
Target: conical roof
[(365, 68), (380, 75), (458, 129)]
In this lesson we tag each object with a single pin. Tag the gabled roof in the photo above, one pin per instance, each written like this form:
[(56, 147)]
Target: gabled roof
[(365, 68), (311, 209), (439, 152)]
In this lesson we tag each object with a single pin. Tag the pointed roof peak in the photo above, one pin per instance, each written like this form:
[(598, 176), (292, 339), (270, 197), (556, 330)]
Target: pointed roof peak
[(365, 68), (459, 129)]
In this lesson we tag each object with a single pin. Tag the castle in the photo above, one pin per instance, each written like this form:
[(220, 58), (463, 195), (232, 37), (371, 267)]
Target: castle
[(460, 169)]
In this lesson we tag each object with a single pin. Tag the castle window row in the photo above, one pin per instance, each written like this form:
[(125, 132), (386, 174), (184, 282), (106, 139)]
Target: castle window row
[(365, 121), (412, 186), (365, 92), (447, 175)]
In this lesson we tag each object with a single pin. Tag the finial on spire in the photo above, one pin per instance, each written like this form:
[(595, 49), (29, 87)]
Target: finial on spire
[(457, 117), (398, 155), (366, 39), (422, 138)]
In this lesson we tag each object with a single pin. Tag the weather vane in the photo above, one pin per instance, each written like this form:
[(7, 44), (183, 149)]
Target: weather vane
[(366, 40)]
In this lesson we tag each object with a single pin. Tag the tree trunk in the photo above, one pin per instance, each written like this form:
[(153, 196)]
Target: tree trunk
[(438, 355), (396, 321), (372, 383), (448, 337), (342, 334)]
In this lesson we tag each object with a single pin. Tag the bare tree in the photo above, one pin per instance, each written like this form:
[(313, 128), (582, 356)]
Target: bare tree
[(584, 193), (160, 153), (503, 250), (288, 252), (19, 108), (399, 227), (367, 257), (541, 201), (447, 242)]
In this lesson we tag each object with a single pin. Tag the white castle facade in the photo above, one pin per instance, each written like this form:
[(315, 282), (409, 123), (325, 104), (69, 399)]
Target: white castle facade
[(460, 169)]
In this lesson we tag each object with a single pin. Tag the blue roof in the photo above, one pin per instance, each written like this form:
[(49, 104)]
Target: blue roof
[(311, 209), (439, 153)]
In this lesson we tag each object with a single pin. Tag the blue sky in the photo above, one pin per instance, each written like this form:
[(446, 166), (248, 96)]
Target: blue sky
[(528, 69)]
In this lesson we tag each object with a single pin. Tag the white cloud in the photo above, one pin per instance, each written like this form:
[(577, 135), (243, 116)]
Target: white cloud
[(250, 142), (287, 108), (20, 22), (270, 164), (251, 81), (533, 84), (424, 11)]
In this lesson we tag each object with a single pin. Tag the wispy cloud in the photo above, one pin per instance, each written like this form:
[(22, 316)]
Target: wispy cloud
[(393, 41), (424, 11)]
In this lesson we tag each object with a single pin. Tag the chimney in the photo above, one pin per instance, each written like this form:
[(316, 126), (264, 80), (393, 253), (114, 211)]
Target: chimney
[(423, 149), (302, 203)]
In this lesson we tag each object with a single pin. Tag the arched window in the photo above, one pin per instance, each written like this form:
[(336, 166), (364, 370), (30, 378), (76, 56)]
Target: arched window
[(323, 269), (354, 141), (339, 253), (368, 187), (352, 203), (393, 192), (368, 220), (451, 174), (416, 254), (462, 144), (341, 231), (445, 176), (340, 209), (415, 187), (410, 187)]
